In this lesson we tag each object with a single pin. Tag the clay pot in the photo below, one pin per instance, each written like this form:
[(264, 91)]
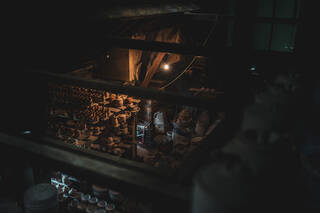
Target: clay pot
[(114, 121), (122, 118), (129, 100), (113, 97), (115, 196), (184, 118), (100, 191), (118, 102), (159, 121), (202, 123)]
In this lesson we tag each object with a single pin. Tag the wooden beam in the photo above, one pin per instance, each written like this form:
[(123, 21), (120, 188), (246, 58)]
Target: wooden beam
[(126, 179), (157, 46), (145, 10), (153, 69), (157, 81), (273, 20), (140, 92)]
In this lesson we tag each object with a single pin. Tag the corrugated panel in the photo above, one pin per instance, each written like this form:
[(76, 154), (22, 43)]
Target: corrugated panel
[(261, 36)]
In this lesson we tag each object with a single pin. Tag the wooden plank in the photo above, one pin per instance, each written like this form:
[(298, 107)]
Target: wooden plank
[(164, 173), (157, 81), (138, 182)]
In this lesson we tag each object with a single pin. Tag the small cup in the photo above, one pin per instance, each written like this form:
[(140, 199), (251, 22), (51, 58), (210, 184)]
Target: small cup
[(85, 198), (76, 195), (100, 211), (100, 191), (115, 196), (93, 201), (91, 209), (110, 207), (81, 207), (72, 205), (102, 204)]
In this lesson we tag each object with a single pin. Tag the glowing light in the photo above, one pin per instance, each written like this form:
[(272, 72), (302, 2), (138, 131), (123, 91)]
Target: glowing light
[(166, 67)]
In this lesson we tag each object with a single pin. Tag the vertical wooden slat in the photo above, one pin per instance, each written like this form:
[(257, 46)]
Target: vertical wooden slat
[(134, 136), (272, 24)]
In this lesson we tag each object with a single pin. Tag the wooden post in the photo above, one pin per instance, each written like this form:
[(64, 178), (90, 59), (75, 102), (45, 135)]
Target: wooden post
[(134, 136), (153, 69)]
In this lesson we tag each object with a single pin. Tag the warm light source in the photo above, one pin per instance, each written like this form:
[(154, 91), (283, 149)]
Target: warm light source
[(166, 67)]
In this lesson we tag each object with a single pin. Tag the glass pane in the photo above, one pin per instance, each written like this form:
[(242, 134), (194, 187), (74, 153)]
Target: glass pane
[(230, 33), (298, 8), (264, 8), (283, 37), (285, 9), (231, 10), (261, 36)]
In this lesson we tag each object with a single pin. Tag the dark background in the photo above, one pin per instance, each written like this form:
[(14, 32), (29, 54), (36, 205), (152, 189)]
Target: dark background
[(58, 37)]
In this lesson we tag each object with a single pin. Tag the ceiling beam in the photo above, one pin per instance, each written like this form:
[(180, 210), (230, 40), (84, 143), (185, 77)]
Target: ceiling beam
[(145, 10), (157, 46)]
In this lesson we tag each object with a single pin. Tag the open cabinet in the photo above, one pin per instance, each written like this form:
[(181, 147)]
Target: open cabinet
[(135, 119)]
